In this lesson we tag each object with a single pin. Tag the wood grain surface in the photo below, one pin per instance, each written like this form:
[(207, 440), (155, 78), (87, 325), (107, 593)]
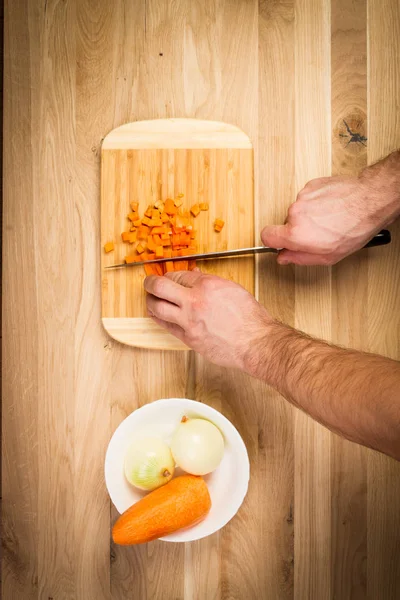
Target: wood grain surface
[(315, 85), (150, 161)]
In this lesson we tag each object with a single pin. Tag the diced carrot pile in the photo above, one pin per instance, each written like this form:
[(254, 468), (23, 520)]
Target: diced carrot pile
[(164, 231)]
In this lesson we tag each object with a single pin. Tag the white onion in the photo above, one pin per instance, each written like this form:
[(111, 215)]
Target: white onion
[(197, 446), (149, 463)]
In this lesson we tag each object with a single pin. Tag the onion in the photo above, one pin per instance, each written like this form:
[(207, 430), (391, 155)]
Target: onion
[(149, 463), (197, 446)]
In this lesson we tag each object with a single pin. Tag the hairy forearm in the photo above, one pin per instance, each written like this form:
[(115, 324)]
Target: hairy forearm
[(352, 393), (381, 182)]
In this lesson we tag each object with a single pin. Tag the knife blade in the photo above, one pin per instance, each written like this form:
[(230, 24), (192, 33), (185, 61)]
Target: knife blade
[(204, 256), (381, 239)]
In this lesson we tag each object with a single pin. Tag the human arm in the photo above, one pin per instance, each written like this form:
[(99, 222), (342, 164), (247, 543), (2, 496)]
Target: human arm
[(335, 216), (354, 394)]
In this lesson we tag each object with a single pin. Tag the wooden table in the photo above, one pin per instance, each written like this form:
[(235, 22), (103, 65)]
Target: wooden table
[(322, 517)]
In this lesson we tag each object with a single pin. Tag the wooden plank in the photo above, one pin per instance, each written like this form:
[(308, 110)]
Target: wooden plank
[(237, 76), (276, 290), (349, 285), (54, 165), (312, 526), (20, 365), (94, 353), (383, 539)]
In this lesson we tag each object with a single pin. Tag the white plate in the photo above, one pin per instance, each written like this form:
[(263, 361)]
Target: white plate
[(227, 484)]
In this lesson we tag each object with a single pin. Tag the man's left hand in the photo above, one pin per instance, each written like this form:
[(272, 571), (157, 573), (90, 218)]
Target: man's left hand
[(216, 317)]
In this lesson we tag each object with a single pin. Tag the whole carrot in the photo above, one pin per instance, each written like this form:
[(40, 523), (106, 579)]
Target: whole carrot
[(182, 502)]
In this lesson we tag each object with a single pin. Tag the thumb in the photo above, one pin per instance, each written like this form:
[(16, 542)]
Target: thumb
[(287, 257), (185, 278), (276, 236)]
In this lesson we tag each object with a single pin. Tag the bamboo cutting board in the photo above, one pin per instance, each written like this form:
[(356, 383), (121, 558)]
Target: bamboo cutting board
[(147, 161)]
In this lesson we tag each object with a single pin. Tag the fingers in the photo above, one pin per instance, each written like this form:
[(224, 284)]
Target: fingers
[(164, 288), (277, 236), (287, 257), (184, 278), (177, 331), (162, 309)]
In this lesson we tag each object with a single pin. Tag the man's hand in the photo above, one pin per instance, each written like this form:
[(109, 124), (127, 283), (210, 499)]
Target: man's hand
[(335, 216), (217, 318)]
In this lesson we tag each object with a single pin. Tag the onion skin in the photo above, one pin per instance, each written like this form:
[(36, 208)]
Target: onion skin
[(149, 464), (197, 446)]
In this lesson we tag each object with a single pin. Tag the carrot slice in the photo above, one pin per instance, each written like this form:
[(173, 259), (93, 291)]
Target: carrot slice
[(169, 207), (195, 210), (143, 232), (159, 252), (151, 244), (109, 247), (139, 248), (126, 235)]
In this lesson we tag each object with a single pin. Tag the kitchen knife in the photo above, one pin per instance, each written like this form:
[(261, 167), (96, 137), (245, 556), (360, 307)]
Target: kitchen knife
[(381, 239)]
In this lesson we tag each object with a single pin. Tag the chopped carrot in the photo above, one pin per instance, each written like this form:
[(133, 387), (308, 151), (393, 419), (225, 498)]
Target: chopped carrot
[(166, 242), (175, 239), (151, 244), (169, 207), (152, 222), (137, 223), (108, 247), (126, 236), (158, 269), (157, 239), (181, 265), (195, 210), (134, 206), (203, 206), (155, 214), (148, 211), (148, 256), (143, 232), (193, 235), (169, 267), (132, 216), (159, 252), (149, 269), (164, 236), (178, 202), (132, 237), (139, 248), (130, 259), (133, 228), (164, 217), (219, 223), (160, 229), (167, 253)]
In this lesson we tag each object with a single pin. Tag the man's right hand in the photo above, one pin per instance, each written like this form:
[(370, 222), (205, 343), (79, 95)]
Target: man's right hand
[(335, 216)]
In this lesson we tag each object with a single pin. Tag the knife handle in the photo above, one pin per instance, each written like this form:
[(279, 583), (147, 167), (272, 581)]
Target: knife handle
[(381, 239)]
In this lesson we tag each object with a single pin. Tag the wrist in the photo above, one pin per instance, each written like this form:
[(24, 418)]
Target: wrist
[(381, 185), (259, 353)]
